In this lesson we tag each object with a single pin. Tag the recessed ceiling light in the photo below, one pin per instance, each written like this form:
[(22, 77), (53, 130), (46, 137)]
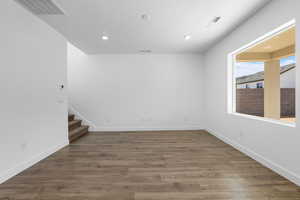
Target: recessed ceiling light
[(105, 37), (187, 37)]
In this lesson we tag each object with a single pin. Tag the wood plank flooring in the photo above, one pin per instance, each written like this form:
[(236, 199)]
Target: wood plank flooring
[(165, 165)]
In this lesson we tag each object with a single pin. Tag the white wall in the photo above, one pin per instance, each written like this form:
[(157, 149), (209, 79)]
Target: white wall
[(288, 79), (275, 145), (137, 92), (32, 115)]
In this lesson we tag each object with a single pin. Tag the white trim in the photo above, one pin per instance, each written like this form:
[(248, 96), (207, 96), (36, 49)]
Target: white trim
[(231, 84), (264, 119), (136, 128), (293, 177), (74, 111), (26, 164)]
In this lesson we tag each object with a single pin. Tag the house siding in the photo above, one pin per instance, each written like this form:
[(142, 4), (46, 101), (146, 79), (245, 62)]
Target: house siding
[(287, 80)]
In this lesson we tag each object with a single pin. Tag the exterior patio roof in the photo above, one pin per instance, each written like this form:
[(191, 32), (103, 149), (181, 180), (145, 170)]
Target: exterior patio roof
[(279, 46)]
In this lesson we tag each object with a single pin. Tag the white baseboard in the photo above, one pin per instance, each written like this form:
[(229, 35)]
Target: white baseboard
[(154, 128), (26, 164), (259, 158)]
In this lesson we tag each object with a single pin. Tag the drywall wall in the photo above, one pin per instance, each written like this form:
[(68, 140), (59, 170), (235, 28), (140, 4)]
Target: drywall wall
[(276, 146), (288, 79), (136, 92), (33, 111)]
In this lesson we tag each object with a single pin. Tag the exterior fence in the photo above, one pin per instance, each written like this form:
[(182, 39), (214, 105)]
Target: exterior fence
[(251, 101)]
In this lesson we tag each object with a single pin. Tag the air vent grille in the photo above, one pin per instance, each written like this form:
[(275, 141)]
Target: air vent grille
[(145, 51), (41, 7)]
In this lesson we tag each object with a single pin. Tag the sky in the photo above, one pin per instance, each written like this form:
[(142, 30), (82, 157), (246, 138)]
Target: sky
[(247, 68)]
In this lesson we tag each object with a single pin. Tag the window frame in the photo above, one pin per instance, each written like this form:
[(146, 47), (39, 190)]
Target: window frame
[(231, 82)]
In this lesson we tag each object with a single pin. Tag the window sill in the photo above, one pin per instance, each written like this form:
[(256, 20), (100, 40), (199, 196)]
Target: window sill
[(279, 122)]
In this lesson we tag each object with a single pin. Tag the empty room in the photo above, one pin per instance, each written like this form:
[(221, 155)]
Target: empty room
[(149, 100)]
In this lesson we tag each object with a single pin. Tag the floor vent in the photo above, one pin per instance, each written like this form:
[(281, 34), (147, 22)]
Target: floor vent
[(41, 7)]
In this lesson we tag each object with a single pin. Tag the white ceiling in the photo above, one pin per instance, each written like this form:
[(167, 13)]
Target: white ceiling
[(170, 20)]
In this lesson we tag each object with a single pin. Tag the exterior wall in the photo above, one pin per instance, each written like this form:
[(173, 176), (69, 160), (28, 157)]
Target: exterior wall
[(251, 101), (249, 85), (272, 143), (288, 79), (288, 102)]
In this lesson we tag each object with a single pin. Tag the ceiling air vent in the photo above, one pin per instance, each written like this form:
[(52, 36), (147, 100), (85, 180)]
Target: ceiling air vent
[(41, 7), (145, 51)]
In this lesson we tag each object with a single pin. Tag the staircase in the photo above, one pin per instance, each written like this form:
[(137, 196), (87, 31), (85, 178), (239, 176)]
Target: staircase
[(76, 129)]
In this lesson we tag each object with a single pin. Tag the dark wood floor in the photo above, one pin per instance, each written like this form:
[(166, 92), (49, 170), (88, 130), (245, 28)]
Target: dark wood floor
[(181, 165)]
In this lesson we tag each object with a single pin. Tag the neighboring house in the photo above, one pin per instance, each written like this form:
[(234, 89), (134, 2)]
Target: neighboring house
[(287, 78)]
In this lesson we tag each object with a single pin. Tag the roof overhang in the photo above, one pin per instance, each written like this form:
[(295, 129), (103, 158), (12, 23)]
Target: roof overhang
[(277, 47)]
